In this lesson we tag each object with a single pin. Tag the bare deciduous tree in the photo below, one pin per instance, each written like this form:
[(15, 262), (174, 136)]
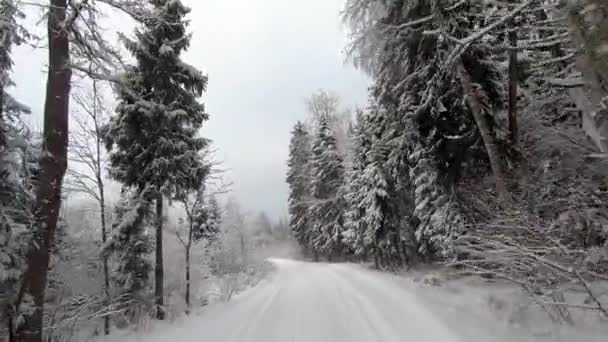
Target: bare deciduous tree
[(88, 164), (194, 203)]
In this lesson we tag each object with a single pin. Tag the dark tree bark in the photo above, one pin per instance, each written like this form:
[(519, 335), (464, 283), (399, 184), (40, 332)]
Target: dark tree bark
[(396, 241), (106, 272), (188, 248), (102, 204), (473, 100), (158, 268), (2, 129), (513, 86), (243, 251), (188, 280), (53, 165), (376, 261)]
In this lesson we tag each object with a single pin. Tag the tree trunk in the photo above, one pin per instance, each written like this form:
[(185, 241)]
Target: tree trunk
[(406, 260), (2, 129), (102, 205), (53, 165), (396, 237), (376, 261), (593, 65), (487, 137), (513, 79), (243, 255), (188, 280), (106, 272), (158, 268)]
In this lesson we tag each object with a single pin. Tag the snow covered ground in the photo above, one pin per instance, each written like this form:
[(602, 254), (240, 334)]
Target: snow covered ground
[(317, 302)]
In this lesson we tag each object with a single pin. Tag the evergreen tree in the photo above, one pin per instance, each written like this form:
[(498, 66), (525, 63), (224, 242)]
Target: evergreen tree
[(214, 218), (420, 81), (153, 138), (299, 181), (206, 220), (327, 177), (11, 33), (438, 214), (373, 218), (354, 234), (130, 247), (15, 200)]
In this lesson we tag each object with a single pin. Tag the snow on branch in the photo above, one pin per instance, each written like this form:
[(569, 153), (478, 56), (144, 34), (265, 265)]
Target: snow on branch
[(533, 257)]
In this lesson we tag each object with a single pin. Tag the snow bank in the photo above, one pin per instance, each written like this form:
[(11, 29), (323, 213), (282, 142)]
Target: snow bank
[(466, 303)]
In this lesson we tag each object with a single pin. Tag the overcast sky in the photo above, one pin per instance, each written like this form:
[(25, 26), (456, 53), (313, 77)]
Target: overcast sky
[(263, 58)]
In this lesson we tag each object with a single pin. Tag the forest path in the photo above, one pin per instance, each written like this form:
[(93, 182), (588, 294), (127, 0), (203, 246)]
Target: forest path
[(320, 302)]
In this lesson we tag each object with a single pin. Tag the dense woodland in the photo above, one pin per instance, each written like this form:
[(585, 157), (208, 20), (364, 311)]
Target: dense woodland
[(482, 145), (109, 216)]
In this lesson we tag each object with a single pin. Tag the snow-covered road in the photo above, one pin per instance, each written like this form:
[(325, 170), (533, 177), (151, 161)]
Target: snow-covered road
[(316, 302)]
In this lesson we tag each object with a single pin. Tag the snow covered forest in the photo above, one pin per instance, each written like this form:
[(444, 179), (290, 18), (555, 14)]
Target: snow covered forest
[(482, 150), (483, 146), (110, 214)]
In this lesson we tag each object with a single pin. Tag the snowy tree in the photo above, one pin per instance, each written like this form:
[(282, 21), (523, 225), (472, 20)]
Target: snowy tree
[(327, 176), (86, 174), (421, 79), (203, 219), (360, 145), (214, 217), (373, 218), (236, 247), (299, 181), (153, 138), (261, 230), (74, 37), (207, 219), (130, 247), (15, 197), (11, 33), (326, 103)]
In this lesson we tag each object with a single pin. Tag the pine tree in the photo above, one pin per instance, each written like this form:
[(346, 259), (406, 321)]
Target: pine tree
[(373, 218), (420, 81), (11, 33), (153, 138), (327, 177), (214, 220), (206, 220), (130, 247), (299, 180), (15, 199), (440, 218), (354, 233)]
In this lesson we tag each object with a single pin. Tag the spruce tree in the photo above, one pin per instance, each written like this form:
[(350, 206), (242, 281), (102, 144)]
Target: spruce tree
[(130, 247), (420, 81), (354, 233), (373, 216), (206, 220), (153, 138), (299, 181), (327, 177), (15, 199)]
